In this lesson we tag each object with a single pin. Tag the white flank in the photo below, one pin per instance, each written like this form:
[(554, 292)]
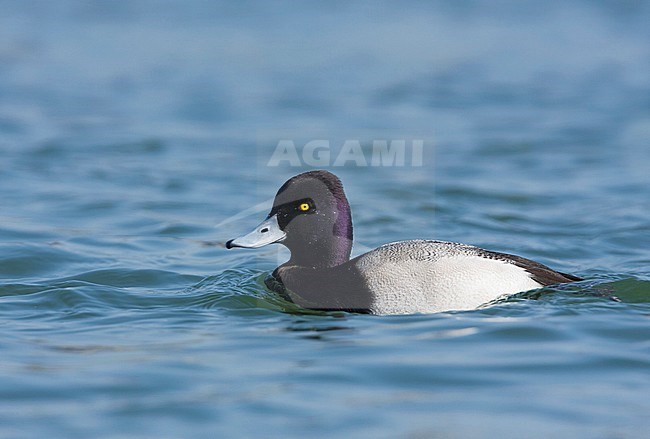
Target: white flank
[(460, 282)]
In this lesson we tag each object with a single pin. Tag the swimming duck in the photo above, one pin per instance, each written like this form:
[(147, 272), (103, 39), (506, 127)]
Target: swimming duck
[(311, 217)]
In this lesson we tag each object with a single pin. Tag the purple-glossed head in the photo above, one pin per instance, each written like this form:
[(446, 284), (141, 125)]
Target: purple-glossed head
[(311, 217)]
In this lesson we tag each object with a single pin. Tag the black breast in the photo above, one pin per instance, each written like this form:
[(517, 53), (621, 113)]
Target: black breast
[(331, 289)]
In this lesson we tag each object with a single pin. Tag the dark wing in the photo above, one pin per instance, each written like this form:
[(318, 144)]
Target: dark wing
[(539, 272)]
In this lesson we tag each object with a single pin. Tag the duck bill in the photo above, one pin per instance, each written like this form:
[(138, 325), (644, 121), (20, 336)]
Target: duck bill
[(268, 232)]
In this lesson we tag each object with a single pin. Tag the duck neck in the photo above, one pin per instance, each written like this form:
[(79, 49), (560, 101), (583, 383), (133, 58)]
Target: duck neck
[(322, 254), (329, 248)]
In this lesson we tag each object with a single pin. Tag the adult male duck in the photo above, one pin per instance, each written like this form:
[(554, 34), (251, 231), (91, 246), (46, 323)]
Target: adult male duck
[(311, 217)]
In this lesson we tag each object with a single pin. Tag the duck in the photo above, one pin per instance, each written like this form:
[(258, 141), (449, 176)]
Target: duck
[(311, 216)]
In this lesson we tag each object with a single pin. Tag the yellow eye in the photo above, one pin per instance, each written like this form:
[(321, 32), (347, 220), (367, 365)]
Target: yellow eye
[(304, 207)]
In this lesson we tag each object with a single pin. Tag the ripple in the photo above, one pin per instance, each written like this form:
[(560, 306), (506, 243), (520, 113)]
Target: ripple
[(24, 260)]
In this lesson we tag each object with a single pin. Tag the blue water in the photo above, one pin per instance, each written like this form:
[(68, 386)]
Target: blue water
[(135, 139)]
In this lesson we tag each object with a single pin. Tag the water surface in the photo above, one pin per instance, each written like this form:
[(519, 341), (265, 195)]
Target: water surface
[(129, 130)]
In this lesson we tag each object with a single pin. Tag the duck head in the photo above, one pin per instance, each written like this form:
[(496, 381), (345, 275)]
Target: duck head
[(311, 217)]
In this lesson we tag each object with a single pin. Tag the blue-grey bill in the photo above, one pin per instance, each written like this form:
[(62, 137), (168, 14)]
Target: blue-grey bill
[(266, 233)]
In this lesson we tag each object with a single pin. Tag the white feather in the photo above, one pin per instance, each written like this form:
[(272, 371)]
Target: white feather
[(430, 276)]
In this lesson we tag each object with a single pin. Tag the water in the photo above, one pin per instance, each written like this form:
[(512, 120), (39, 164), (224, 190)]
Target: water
[(128, 130)]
